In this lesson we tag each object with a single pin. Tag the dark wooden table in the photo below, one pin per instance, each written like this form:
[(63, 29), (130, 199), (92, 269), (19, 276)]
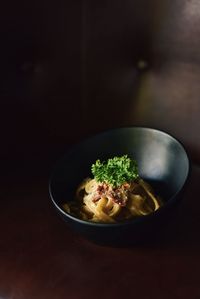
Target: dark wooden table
[(40, 257)]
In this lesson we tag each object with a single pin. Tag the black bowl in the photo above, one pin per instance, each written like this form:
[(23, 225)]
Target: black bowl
[(162, 161)]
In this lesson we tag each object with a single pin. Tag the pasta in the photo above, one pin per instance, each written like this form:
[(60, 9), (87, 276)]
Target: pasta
[(100, 202)]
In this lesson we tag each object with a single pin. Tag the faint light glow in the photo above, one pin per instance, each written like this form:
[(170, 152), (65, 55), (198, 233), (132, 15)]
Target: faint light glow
[(191, 10), (142, 64)]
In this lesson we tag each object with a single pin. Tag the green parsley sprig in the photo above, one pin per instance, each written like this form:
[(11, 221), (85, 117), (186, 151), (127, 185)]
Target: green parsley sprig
[(115, 171)]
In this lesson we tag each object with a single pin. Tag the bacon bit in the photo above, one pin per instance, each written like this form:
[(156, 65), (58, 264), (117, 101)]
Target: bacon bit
[(126, 185), (120, 202), (96, 198), (117, 195)]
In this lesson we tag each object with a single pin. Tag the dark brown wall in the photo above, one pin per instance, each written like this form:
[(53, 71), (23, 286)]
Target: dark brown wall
[(73, 68)]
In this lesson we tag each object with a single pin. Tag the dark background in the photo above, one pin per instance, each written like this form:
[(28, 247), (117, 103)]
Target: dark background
[(70, 69)]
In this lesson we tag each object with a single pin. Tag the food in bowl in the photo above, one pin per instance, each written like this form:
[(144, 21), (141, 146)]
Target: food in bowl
[(115, 193), (162, 162)]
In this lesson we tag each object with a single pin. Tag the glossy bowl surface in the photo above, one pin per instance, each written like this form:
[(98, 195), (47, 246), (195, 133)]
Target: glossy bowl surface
[(162, 161)]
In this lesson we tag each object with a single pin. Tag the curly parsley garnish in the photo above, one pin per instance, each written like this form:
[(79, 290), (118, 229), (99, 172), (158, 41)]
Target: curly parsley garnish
[(115, 171)]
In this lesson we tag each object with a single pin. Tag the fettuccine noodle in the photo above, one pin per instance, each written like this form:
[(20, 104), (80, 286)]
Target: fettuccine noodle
[(99, 202)]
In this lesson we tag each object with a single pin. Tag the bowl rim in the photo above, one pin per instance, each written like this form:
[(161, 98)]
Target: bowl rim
[(173, 199)]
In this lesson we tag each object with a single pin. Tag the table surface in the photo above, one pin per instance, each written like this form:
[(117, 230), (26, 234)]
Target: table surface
[(40, 257)]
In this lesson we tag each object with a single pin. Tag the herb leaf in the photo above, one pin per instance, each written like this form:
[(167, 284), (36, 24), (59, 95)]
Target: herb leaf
[(115, 171)]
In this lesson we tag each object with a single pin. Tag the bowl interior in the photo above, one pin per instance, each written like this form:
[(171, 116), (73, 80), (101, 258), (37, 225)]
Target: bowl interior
[(161, 159)]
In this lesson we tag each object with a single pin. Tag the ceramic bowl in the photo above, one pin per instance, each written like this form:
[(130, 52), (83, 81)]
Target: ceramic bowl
[(162, 161)]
